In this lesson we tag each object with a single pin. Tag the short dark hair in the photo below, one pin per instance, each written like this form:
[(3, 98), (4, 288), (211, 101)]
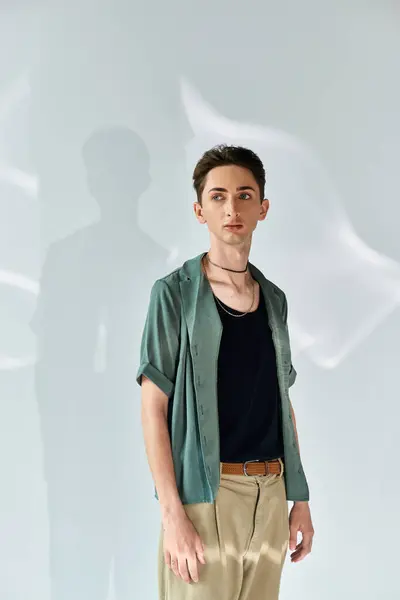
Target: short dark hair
[(222, 155)]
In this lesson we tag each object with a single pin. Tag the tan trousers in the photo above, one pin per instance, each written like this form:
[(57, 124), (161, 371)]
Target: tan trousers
[(245, 533)]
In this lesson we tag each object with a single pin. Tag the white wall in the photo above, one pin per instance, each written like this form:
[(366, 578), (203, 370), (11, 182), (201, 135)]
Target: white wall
[(313, 88)]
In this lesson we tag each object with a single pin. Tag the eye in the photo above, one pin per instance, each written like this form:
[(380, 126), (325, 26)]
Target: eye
[(216, 196), (244, 194)]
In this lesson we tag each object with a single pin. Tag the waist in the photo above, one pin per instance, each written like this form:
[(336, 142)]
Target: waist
[(251, 468)]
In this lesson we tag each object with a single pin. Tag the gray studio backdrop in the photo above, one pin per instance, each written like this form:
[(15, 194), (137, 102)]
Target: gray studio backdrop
[(105, 105)]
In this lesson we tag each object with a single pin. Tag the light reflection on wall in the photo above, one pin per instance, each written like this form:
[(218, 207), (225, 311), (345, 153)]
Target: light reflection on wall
[(339, 288)]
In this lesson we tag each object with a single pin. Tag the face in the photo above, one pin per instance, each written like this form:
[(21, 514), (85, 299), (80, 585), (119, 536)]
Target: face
[(231, 204)]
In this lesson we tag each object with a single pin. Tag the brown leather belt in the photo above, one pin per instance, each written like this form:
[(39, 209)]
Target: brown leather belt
[(253, 467)]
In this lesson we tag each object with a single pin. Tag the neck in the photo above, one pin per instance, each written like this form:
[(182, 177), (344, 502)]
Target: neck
[(230, 257)]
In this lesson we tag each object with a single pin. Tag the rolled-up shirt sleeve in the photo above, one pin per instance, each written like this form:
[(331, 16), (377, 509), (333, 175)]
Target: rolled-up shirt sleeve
[(292, 375), (159, 348)]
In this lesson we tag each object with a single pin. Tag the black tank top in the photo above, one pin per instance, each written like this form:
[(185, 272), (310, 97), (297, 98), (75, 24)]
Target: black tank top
[(248, 394)]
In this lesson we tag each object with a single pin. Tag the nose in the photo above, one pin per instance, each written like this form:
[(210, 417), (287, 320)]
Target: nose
[(231, 207)]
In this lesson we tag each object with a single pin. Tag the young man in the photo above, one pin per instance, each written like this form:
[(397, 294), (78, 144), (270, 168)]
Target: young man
[(219, 428)]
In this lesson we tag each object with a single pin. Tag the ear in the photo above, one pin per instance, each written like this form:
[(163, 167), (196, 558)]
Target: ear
[(264, 208), (198, 211)]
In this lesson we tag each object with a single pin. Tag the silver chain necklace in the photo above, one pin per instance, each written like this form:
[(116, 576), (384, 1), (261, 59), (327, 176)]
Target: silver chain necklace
[(223, 307), (241, 314)]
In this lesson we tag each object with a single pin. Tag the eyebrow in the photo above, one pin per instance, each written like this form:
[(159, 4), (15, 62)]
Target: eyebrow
[(241, 188)]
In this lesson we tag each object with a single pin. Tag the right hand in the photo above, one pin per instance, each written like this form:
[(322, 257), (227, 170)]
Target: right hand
[(183, 548)]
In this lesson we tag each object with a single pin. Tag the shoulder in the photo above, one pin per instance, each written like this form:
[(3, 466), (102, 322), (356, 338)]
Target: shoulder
[(275, 289), (275, 293), (168, 283), (166, 290), (171, 279), (189, 270)]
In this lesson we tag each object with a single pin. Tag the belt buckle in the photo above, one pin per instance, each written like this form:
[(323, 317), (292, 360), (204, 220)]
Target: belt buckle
[(249, 461)]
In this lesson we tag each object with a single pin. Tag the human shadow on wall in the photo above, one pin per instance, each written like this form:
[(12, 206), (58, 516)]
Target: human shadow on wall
[(95, 286)]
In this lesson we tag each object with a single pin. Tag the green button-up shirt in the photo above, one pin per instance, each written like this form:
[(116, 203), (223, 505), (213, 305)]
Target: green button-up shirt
[(179, 353)]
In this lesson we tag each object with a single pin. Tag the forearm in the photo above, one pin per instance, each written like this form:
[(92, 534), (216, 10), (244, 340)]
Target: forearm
[(297, 440), (159, 455)]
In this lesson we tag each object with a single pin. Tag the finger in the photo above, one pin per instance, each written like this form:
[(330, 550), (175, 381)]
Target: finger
[(299, 555), (183, 569), (299, 545), (293, 538), (297, 549), (200, 551), (306, 542), (296, 557), (167, 558), (193, 569), (174, 566)]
